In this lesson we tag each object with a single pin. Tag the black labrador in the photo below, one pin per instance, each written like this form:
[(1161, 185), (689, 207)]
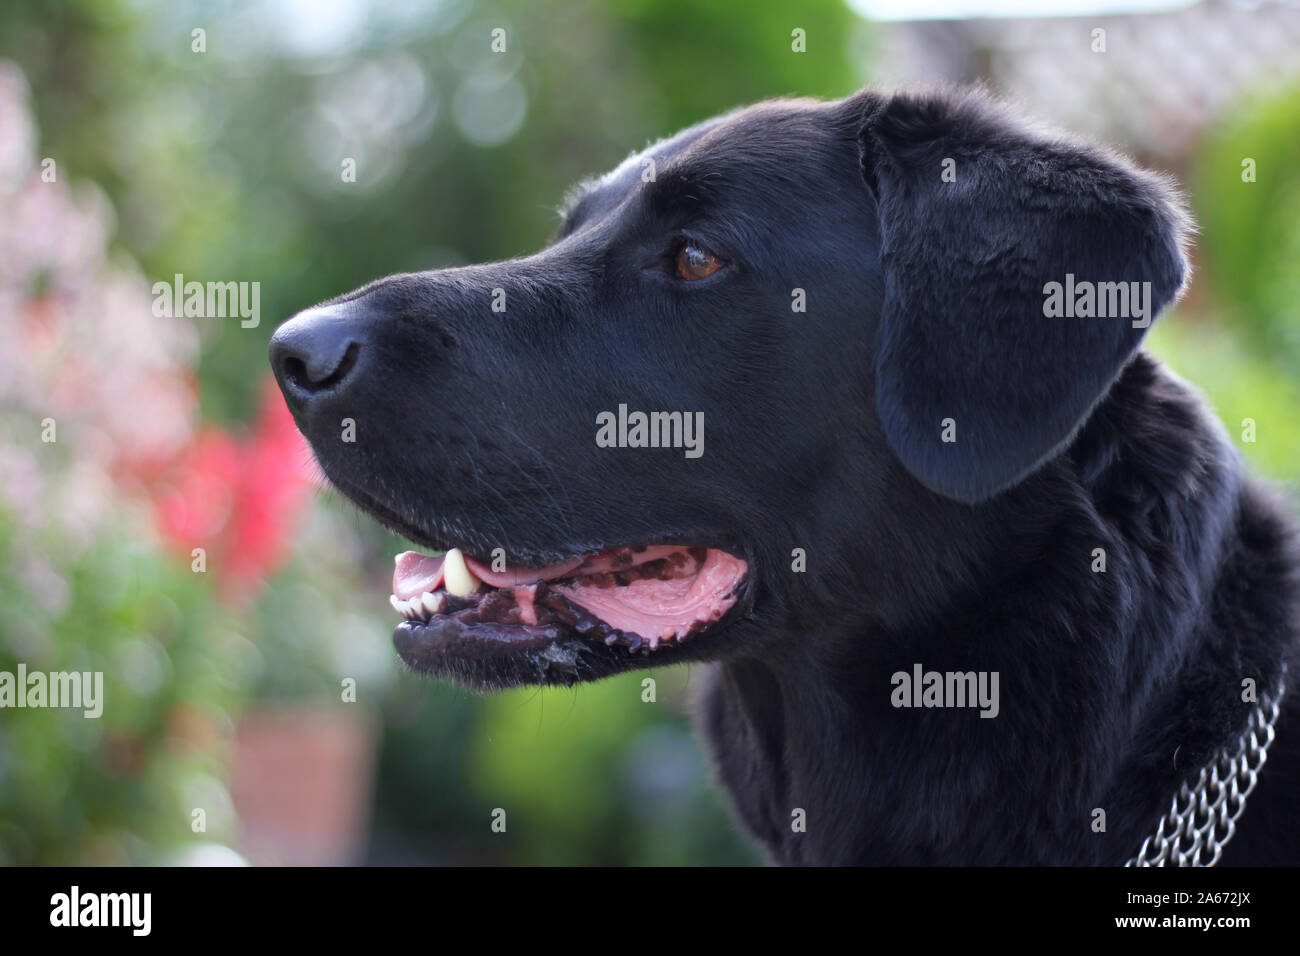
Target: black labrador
[(846, 398)]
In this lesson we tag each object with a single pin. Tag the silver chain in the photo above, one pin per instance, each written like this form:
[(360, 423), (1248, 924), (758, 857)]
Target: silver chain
[(1202, 819)]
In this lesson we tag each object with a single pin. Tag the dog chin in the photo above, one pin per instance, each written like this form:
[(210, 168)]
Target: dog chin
[(481, 660)]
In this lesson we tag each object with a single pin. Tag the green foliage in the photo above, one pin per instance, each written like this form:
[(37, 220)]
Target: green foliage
[(1242, 385), (1238, 336), (747, 49), (118, 788), (1250, 240), (599, 775)]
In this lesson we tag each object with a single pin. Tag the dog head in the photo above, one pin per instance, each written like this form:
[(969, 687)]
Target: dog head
[(687, 427)]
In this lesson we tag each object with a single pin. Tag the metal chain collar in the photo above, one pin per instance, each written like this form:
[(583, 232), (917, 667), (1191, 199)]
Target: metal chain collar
[(1202, 819)]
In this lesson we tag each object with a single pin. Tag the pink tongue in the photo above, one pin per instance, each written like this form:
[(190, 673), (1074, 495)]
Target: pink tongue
[(416, 573), (664, 609)]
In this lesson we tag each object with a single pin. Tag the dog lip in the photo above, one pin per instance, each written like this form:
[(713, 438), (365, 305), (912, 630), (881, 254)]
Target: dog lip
[(418, 641)]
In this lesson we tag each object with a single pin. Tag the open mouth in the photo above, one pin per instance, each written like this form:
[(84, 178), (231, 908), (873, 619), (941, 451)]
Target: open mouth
[(638, 598)]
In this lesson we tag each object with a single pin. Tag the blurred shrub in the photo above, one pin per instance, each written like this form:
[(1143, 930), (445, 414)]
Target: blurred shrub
[(1241, 384), (1250, 230), (95, 400), (1237, 337)]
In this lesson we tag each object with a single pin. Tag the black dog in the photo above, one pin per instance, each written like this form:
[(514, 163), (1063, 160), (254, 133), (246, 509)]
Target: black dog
[(940, 483)]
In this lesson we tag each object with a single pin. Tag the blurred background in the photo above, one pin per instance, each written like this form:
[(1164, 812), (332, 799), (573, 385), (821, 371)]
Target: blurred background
[(255, 710)]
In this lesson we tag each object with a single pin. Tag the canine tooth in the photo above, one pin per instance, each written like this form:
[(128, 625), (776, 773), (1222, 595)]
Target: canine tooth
[(433, 603), (458, 579)]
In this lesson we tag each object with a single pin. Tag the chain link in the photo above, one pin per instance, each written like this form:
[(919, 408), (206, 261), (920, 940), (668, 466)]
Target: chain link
[(1203, 818)]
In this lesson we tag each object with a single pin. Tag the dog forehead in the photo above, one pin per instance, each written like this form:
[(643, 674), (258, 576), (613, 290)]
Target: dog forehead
[(601, 194), (773, 134)]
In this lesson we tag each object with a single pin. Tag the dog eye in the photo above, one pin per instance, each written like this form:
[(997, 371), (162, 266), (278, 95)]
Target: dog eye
[(694, 263)]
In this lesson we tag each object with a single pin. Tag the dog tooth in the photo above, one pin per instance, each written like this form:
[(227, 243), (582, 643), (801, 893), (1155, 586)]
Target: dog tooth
[(433, 603), (459, 579)]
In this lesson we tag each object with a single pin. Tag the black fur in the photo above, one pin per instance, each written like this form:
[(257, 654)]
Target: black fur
[(823, 433), (965, 260)]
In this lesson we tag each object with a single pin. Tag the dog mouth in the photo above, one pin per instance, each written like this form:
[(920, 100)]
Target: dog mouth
[(642, 599)]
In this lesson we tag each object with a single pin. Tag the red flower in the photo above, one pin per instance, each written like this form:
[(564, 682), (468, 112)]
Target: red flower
[(238, 501)]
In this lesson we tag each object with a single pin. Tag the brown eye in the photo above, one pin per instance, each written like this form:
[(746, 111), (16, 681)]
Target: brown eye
[(694, 263)]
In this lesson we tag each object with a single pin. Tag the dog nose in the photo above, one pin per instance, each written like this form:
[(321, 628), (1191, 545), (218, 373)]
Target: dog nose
[(315, 351)]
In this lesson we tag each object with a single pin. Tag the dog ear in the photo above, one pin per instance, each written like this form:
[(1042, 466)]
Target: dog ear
[(984, 370)]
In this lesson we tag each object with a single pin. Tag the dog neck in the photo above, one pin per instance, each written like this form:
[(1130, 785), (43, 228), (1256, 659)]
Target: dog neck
[(1110, 687)]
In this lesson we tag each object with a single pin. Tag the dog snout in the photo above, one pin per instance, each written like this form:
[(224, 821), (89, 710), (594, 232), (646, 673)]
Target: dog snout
[(317, 351)]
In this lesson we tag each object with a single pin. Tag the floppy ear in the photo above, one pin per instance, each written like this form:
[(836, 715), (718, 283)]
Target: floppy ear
[(982, 373)]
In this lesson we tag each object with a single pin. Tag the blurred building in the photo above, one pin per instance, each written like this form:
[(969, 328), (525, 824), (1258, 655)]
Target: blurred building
[(1161, 78)]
